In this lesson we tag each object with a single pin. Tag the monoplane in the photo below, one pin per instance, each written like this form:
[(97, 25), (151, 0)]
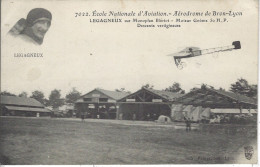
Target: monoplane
[(190, 52)]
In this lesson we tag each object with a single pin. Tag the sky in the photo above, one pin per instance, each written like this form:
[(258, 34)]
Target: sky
[(84, 55)]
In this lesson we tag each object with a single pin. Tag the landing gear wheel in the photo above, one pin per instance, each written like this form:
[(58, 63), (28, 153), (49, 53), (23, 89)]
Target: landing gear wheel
[(183, 64), (180, 66)]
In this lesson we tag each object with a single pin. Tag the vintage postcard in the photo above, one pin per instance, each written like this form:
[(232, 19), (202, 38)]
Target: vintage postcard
[(129, 82)]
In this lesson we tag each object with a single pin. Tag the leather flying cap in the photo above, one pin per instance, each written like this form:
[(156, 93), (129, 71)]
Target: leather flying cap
[(37, 13)]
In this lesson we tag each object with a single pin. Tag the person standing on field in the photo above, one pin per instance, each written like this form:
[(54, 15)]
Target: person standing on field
[(82, 116), (188, 124)]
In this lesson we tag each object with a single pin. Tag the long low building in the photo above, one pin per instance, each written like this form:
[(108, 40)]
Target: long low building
[(219, 102), (212, 98), (22, 106)]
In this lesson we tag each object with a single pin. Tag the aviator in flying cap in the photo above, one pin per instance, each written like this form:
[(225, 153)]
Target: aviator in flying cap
[(34, 27)]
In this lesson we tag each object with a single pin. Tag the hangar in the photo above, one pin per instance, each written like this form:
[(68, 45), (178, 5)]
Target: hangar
[(212, 98), (219, 102), (99, 103), (146, 104), (22, 106)]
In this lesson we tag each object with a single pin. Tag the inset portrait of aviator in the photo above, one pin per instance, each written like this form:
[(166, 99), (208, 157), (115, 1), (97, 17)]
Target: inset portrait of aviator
[(34, 27)]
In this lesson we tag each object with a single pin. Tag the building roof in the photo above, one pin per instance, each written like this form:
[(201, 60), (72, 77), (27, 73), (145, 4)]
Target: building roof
[(199, 95), (113, 94), (165, 94), (27, 109), (235, 96), (21, 101)]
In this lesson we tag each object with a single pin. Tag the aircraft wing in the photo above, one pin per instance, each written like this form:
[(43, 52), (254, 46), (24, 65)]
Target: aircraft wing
[(179, 54), (187, 49), (185, 52)]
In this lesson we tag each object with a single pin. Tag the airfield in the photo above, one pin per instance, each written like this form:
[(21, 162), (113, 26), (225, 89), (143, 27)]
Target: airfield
[(69, 141)]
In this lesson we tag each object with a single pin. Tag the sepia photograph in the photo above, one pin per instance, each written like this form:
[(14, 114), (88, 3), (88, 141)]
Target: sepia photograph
[(129, 82), (33, 28)]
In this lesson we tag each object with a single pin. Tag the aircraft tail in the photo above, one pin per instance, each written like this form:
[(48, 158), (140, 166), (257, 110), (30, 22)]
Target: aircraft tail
[(236, 44)]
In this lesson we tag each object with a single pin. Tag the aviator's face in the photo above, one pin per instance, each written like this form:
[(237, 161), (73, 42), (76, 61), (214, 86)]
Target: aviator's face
[(40, 27)]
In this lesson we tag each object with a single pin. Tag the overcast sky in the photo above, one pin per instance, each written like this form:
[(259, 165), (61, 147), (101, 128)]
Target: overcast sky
[(87, 55)]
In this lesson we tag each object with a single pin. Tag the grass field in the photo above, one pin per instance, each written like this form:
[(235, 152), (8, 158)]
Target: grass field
[(51, 141)]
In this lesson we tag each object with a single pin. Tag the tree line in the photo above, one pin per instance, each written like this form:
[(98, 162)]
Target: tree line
[(54, 100)]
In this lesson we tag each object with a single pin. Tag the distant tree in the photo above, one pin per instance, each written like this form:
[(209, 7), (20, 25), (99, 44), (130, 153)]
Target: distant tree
[(46, 102), (72, 96), (39, 96), (176, 88), (242, 86), (5, 93), (222, 89), (193, 89), (55, 99), (253, 91), (23, 94), (147, 86)]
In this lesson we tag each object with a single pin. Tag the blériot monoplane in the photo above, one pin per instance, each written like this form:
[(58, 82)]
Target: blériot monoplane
[(189, 52)]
